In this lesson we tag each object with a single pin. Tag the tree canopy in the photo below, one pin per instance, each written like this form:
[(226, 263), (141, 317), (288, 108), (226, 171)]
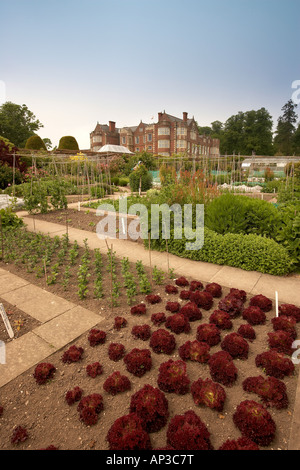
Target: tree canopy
[(17, 123), (286, 134)]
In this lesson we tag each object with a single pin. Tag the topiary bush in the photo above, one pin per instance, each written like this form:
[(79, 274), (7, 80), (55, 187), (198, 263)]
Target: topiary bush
[(68, 142), (35, 143)]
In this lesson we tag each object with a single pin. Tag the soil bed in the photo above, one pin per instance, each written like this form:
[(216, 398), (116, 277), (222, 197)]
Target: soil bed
[(20, 322)]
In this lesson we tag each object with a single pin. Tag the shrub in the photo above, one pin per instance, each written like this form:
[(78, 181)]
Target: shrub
[(162, 342), (142, 332), (44, 372), (191, 312), (96, 337), (35, 143), (172, 377), (275, 364), (285, 323), (188, 432), (89, 408), (128, 433), (73, 354), (73, 395), (232, 305), (119, 323), (281, 341), (139, 309), (202, 299), (222, 368), (208, 393), (153, 299), (221, 319), (242, 443), (68, 142), (255, 422), (169, 289), (140, 177), (236, 346), (151, 405), (214, 289), (10, 219), (208, 333), (20, 434), (194, 351), (95, 369), (173, 307), (158, 318), (116, 351), (138, 361), (290, 310), (272, 391), (247, 332), (178, 323), (261, 301), (254, 316), (116, 383)]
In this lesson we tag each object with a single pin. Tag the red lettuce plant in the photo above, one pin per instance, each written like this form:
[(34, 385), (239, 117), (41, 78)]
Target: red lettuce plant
[(1, 410), (116, 351), (73, 395), (142, 332), (172, 377), (158, 318), (89, 408), (169, 289), (242, 443), (254, 315), (73, 354), (285, 323), (188, 432), (95, 369), (120, 322), (153, 299), (185, 294), (208, 333), (222, 368), (208, 393), (20, 434), (202, 299), (173, 307), (195, 351), (247, 332), (272, 391), (221, 319), (162, 342), (182, 282), (138, 361), (44, 372), (51, 447), (255, 422), (128, 433), (151, 405), (232, 305), (236, 346), (139, 309), (238, 293), (96, 337), (191, 312), (116, 383), (261, 301), (214, 289), (178, 323), (196, 285), (281, 341), (290, 310), (275, 364)]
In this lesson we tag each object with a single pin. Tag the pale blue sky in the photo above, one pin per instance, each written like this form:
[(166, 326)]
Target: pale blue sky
[(76, 62)]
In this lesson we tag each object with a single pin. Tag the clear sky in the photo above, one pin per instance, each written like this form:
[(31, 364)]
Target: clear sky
[(76, 62)]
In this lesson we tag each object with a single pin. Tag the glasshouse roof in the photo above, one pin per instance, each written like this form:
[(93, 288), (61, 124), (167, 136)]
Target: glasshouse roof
[(114, 149)]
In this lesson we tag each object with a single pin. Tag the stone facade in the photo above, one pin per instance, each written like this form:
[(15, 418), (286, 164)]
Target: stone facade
[(168, 136)]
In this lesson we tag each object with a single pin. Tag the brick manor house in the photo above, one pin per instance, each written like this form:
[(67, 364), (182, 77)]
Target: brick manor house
[(170, 135)]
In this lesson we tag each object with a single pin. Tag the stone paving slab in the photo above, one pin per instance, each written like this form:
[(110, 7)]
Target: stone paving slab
[(9, 282), (228, 276), (21, 354), (288, 288), (68, 326)]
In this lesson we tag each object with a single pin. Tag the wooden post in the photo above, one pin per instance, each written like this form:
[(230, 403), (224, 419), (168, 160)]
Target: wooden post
[(150, 260)]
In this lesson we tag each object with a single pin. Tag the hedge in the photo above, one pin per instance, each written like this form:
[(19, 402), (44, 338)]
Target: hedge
[(249, 252)]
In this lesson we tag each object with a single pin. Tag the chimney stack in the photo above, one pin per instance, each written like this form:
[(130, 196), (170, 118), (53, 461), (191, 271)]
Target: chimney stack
[(159, 116), (185, 116), (112, 126)]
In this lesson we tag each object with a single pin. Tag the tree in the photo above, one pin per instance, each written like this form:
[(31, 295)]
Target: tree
[(35, 143), (17, 123), (48, 143), (68, 142), (296, 141), (286, 129)]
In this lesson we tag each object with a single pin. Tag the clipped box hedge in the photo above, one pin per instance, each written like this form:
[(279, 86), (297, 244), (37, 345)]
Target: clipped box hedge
[(249, 252)]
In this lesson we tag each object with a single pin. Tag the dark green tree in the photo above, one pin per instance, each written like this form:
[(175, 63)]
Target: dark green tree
[(17, 123), (286, 128)]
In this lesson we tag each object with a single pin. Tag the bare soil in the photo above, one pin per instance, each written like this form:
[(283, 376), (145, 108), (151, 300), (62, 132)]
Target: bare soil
[(20, 322), (49, 420)]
